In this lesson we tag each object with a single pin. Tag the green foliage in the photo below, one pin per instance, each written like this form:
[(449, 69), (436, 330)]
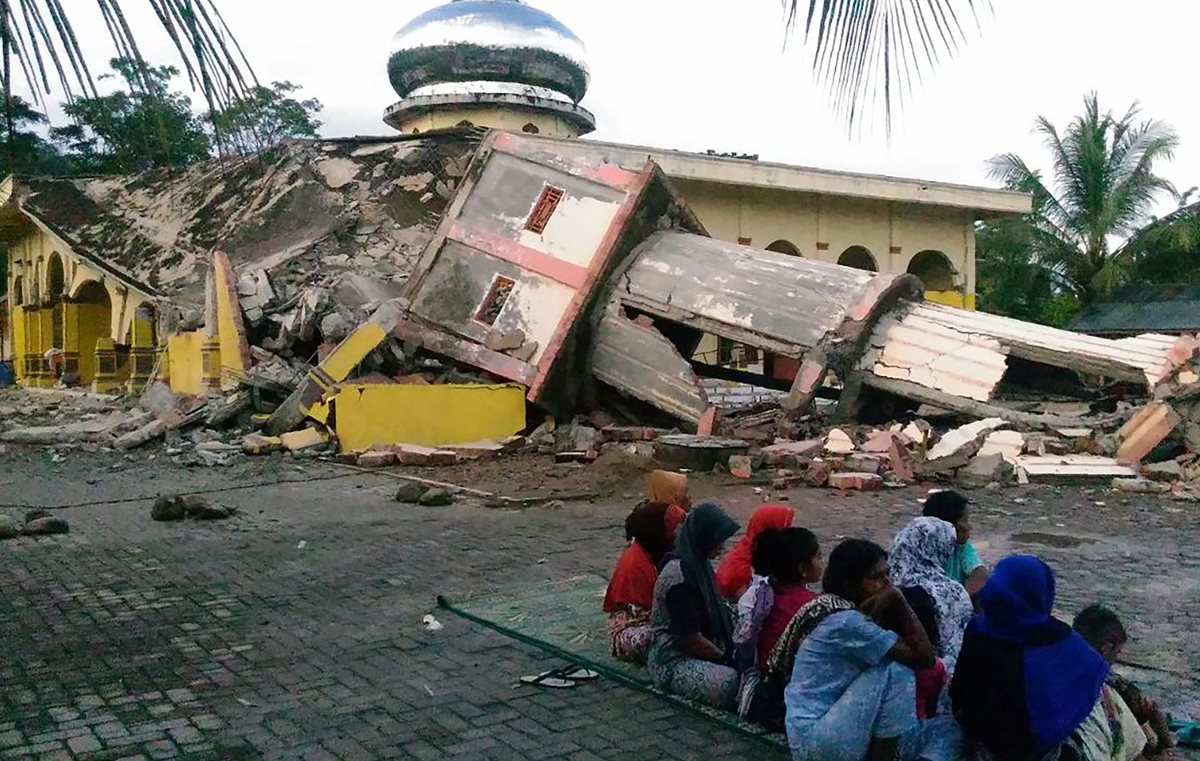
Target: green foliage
[(144, 126), (264, 117), (28, 153), (1090, 230)]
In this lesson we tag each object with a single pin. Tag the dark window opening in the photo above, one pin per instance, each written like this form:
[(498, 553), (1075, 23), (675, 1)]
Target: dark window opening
[(531, 129), (464, 123), (493, 303), (544, 209)]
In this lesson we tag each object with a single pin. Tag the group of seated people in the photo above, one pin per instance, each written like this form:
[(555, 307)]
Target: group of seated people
[(917, 653)]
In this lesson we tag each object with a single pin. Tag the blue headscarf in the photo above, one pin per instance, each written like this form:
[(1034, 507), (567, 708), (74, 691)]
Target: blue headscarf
[(1057, 671), (706, 528)]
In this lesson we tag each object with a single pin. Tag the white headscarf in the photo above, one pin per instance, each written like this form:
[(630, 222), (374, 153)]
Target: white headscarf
[(918, 559)]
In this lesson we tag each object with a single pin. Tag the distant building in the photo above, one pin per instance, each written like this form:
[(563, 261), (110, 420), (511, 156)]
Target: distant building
[(1137, 309)]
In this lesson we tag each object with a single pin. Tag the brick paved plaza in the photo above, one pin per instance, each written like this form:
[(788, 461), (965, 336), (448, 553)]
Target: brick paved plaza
[(233, 640)]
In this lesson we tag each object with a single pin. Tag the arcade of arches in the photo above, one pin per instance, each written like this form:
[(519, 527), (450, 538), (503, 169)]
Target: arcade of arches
[(73, 324)]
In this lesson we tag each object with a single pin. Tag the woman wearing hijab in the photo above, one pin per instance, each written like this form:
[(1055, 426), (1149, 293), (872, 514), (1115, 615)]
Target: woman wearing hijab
[(919, 558), (691, 648), (650, 530), (852, 693), (1025, 682), (669, 488), (734, 572)]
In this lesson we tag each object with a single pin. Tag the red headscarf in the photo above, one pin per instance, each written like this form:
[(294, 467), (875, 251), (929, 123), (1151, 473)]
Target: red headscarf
[(633, 579), (733, 575)]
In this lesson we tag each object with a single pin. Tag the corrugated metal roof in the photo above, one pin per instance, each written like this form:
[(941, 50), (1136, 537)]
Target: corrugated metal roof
[(1142, 309)]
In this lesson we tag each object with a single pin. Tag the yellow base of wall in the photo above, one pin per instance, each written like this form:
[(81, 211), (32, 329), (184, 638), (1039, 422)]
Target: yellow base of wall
[(951, 299), (431, 416), (185, 362)]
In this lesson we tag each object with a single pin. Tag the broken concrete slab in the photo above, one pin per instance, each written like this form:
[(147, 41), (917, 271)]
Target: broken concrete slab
[(697, 453), (414, 454), (838, 441), (864, 463), (376, 459), (956, 448), (257, 444), (1009, 444), (632, 433), (1165, 472), (791, 454), (1140, 486), (741, 466), (1145, 431), (304, 439), (850, 481), (1072, 468), (987, 469), (881, 442), (505, 342)]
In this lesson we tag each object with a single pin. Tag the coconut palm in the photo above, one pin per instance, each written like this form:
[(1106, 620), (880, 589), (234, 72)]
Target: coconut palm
[(38, 45), (1092, 224), (865, 51)]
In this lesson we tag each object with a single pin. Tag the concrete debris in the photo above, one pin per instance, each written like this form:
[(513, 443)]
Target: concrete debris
[(304, 439), (741, 466), (46, 526), (184, 507), (410, 493), (1071, 468), (956, 448), (697, 453), (838, 442), (436, 497), (855, 481), (1140, 486), (1167, 472)]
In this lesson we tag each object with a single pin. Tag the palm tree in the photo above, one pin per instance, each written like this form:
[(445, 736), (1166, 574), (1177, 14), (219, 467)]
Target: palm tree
[(865, 51), (38, 40), (1092, 225)]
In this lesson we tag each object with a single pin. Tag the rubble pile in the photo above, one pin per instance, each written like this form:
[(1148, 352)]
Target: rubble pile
[(388, 297)]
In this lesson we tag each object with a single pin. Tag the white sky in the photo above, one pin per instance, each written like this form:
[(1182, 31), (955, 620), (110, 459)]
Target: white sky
[(697, 75)]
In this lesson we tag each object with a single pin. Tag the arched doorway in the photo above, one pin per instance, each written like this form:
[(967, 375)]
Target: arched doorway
[(95, 323), (785, 247), (16, 316), (934, 269), (55, 285), (858, 257)]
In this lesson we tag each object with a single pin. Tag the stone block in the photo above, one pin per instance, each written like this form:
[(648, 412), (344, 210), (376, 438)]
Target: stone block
[(632, 433), (881, 442), (791, 454), (838, 441), (376, 459), (986, 469), (851, 481), (46, 527), (304, 439), (956, 448), (437, 497), (1163, 472), (1140, 486), (1145, 431), (817, 473), (740, 466), (863, 463), (257, 444), (697, 453), (410, 493)]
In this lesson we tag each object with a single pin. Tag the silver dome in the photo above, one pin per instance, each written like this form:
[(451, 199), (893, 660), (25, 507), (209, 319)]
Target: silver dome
[(488, 40)]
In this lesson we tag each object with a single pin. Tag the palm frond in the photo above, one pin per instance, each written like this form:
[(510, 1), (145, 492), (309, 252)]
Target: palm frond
[(865, 51), (38, 35)]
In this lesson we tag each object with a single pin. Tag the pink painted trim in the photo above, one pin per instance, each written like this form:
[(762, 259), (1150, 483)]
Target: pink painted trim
[(524, 257), (597, 269)]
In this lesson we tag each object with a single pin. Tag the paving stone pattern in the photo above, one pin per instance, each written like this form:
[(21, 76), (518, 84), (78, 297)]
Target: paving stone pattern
[(294, 630)]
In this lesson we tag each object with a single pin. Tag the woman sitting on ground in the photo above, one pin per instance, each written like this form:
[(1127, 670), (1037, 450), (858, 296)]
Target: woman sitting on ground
[(1028, 687), (918, 559), (691, 647), (852, 694), (792, 559), (964, 565), (669, 488), (650, 530), (734, 572)]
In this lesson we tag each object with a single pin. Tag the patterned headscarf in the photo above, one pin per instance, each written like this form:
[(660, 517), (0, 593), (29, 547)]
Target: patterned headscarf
[(918, 559)]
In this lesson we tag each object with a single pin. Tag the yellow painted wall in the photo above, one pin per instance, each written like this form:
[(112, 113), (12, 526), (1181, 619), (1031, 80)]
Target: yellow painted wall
[(434, 415), (93, 321), (341, 362), (185, 362), (17, 318), (764, 216), (233, 367), (511, 119)]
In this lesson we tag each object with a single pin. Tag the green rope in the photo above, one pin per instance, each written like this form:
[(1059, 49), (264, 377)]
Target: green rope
[(721, 717)]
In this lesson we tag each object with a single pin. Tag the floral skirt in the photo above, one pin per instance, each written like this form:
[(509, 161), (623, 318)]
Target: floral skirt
[(630, 632)]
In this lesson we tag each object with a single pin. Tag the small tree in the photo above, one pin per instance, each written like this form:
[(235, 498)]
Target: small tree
[(28, 152), (144, 126), (264, 117)]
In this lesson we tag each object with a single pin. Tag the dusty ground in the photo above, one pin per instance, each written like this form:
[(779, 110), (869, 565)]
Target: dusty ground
[(294, 631)]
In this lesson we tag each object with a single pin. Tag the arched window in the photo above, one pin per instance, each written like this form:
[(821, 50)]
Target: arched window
[(18, 292), (934, 269), (531, 129), (55, 278), (859, 258), (784, 247), (464, 123)]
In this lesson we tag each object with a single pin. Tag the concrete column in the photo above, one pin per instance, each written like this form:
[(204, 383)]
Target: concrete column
[(211, 357), (70, 333), (142, 352), (106, 379)]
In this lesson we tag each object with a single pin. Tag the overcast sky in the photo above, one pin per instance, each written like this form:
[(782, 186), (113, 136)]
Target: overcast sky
[(697, 75)]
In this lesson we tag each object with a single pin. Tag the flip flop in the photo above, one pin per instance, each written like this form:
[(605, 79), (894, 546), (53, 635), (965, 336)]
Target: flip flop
[(561, 678), (545, 680)]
